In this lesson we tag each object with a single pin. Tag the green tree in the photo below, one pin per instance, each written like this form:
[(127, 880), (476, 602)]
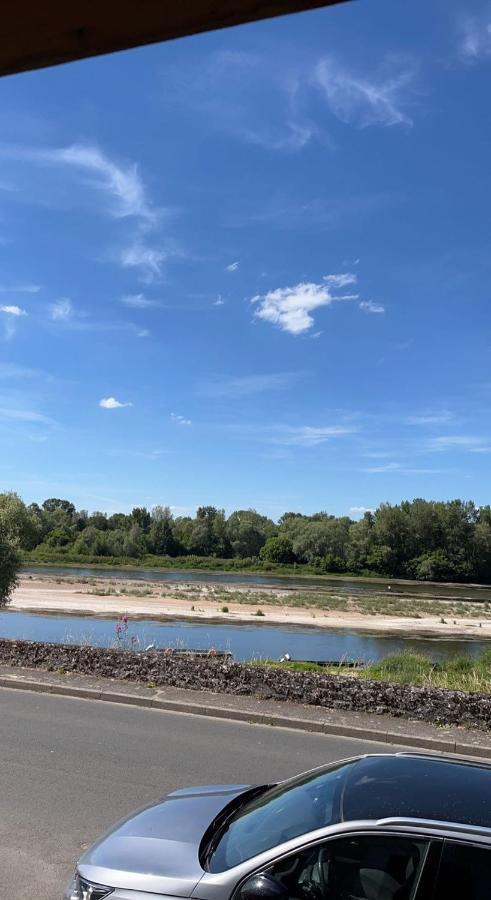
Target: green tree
[(278, 550), (18, 523), (9, 568), (161, 540), (247, 531), (142, 517)]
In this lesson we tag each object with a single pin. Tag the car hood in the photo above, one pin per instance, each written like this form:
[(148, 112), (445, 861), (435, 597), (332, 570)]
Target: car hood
[(156, 849)]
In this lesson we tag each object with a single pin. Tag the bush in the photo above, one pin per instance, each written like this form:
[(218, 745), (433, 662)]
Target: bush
[(10, 562)]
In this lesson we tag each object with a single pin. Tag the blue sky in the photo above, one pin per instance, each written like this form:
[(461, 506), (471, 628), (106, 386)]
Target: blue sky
[(252, 268)]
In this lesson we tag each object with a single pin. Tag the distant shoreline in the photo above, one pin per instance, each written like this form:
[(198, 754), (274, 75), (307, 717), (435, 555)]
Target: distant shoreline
[(313, 580)]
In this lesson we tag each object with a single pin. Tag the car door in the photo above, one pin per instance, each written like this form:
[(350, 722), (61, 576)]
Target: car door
[(464, 872), (359, 867)]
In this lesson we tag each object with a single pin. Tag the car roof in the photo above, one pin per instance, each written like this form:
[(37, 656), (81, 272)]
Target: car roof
[(418, 787)]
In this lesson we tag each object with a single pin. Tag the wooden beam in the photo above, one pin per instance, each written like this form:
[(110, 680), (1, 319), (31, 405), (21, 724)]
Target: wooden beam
[(38, 33)]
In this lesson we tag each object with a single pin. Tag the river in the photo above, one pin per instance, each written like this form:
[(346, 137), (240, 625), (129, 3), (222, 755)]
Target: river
[(341, 585), (244, 641)]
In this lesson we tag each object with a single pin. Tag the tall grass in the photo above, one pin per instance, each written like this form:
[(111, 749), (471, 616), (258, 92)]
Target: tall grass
[(461, 673)]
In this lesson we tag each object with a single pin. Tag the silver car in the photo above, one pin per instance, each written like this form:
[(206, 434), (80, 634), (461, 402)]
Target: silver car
[(377, 827)]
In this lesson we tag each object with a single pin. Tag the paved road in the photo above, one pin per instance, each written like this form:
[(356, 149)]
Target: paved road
[(69, 768)]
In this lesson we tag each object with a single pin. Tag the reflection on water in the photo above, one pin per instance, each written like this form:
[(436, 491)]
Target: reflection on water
[(243, 640)]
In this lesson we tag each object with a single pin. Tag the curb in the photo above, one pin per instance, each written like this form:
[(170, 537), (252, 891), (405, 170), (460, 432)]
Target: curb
[(255, 718)]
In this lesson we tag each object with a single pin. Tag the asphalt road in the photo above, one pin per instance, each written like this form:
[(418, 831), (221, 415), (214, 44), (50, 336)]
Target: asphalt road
[(69, 768)]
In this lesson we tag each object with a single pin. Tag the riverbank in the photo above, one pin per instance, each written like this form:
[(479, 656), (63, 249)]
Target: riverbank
[(253, 710), (376, 611), (308, 688)]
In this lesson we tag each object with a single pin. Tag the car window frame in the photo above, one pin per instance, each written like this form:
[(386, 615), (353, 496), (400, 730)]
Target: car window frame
[(461, 842), (429, 868)]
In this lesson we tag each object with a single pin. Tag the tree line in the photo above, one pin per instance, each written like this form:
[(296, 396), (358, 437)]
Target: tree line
[(422, 539)]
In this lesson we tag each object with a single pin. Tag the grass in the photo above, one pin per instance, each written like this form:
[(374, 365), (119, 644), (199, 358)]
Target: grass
[(112, 591), (460, 673)]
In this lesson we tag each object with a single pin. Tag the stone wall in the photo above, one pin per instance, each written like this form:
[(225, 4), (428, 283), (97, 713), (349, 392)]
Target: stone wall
[(272, 683)]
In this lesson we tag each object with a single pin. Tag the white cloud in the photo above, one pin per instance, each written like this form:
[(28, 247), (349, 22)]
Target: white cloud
[(20, 289), (402, 470), (122, 184), (143, 333), (246, 385), (308, 436), (475, 43), (61, 310), (232, 267), (369, 306), (219, 301), (470, 442), (25, 415), (112, 403), (341, 279), (180, 420), (138, 301), (148, 259), (360, 510), (10, 370), (438, 418), (13, 311), (290, 308), (361, 100)]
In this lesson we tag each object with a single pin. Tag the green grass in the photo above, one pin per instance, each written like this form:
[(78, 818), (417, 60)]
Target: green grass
[(459, 673)]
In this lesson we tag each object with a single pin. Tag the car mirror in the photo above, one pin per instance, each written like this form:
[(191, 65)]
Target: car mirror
[(262, 887)]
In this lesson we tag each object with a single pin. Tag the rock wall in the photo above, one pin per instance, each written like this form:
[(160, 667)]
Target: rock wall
[(272, 683)]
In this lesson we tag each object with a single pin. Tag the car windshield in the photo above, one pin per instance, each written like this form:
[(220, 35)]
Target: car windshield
[(283, 812)]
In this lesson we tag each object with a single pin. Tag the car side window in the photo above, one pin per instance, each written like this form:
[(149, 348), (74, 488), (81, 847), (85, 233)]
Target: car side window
[(365, 867), (465, 873)]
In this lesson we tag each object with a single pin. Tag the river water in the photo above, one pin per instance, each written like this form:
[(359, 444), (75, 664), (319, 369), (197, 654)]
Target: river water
[(341, 585), (243, 640)]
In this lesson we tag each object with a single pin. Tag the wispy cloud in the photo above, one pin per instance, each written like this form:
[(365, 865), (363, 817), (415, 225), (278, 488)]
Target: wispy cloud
[(341, 279), (20, 289), (431, 418), (475, 38), (470, 442), (231, 91), (247, 385), (25, 415), (232, 267), (11, 370), (121, 184), (138, 301), (112, 403), (61, 310), (291, 308), (180, 420), (147, 259), (365, 99), (368, 306), (398, 468), (309, 436), (13, 311), (219, 301)]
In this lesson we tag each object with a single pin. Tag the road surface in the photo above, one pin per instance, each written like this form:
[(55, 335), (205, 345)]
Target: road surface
[(69, 768)]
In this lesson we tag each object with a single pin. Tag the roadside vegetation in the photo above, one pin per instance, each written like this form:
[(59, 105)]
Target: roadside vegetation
[(460, 673), (418, 539)]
